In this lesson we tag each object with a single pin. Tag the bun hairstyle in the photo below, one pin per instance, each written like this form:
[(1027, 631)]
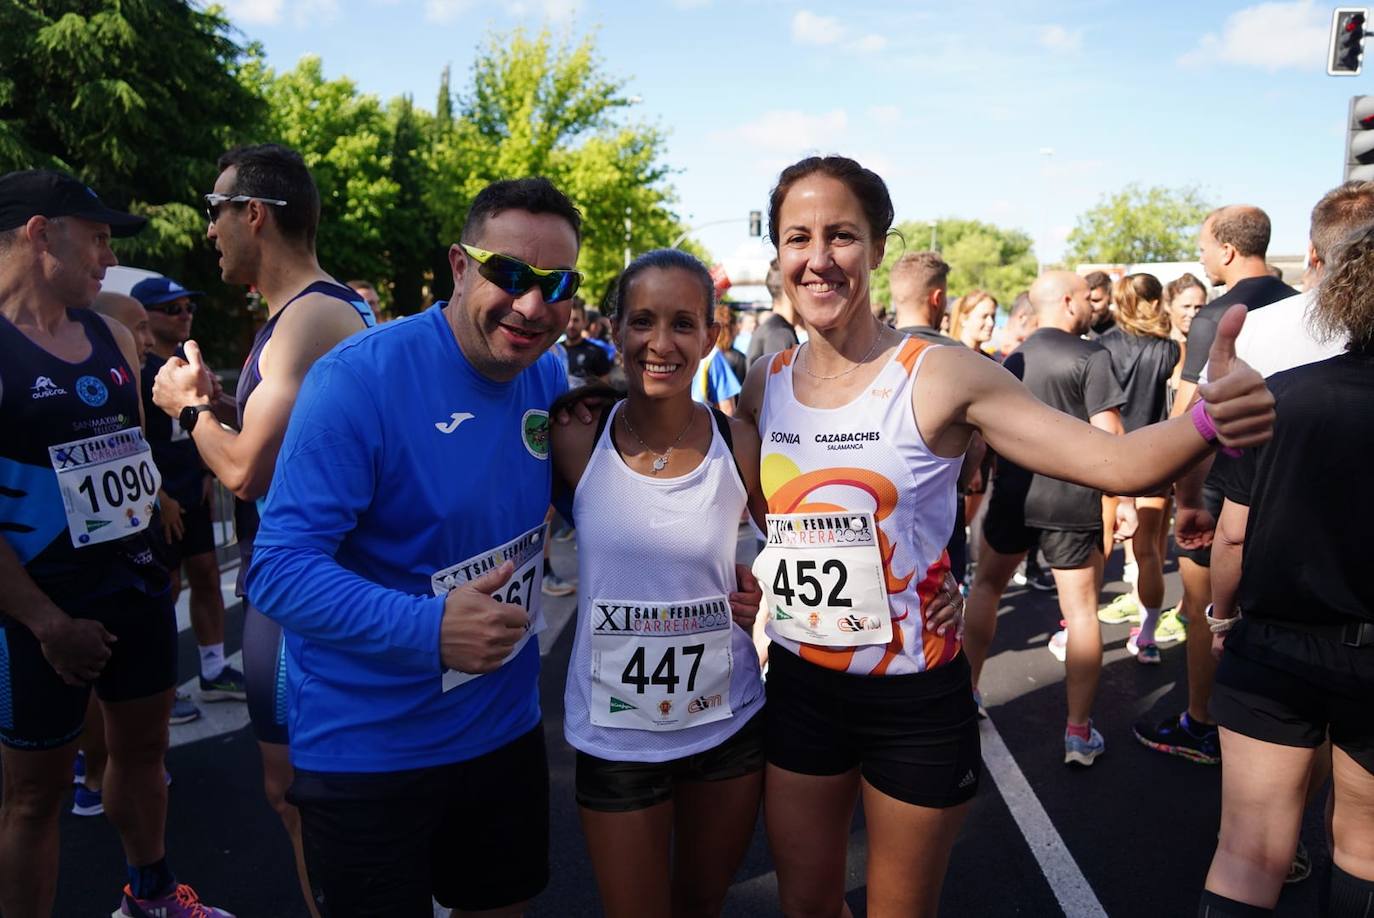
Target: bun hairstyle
[(664, 260), (864, 184), (1139, 300)]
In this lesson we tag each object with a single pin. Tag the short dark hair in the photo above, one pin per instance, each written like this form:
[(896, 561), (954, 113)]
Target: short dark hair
[(1242, 226), (1096, 280), (666, 260), (578, 305), (270, 170), (927, 269), (1021, 306), (535, 195), (361, 285), (864, 184), (1340, 211)]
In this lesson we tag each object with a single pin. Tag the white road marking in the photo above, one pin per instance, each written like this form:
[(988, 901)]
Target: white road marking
[(1057, 865)]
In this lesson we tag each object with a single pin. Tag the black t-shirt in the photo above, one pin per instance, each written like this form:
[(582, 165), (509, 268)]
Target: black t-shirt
[(174, 451), (1073, 376), (773, 334), (1254, 292), (587, 360), (738, 364), (1102, 326), (1143, 365), (1310, 494), (927, 333)]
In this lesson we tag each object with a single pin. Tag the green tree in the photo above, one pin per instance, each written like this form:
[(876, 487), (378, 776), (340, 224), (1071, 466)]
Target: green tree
[(346, 140), (1139, 225), (137, 97), (537, 107), (413, 245), (980, 255)]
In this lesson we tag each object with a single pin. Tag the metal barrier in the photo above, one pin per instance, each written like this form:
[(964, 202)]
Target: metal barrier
[(226, 535)]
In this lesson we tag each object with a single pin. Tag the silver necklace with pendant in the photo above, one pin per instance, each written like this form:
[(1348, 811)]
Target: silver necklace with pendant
[(660, 459)]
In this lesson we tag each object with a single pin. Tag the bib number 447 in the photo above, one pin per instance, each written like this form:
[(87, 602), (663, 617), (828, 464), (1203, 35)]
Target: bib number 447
[(665, 672)]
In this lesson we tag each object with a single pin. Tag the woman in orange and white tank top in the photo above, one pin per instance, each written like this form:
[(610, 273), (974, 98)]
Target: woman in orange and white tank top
[(863, 430)]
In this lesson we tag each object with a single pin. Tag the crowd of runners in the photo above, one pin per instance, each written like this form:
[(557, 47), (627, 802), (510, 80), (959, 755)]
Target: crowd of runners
[(397, 486)]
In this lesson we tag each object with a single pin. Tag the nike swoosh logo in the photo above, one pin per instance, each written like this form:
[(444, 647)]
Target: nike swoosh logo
[(458, 418)]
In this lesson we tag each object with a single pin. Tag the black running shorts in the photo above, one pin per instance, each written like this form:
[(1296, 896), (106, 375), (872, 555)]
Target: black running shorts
[(622, 787), (39, 711), (474, 835), (1290, 688), (913, 736)]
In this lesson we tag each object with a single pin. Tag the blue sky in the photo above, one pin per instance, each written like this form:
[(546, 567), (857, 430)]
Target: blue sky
[(954, 104)]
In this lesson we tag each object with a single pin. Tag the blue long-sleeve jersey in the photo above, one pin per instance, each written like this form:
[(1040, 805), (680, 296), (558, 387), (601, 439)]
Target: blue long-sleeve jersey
[(400, 462)]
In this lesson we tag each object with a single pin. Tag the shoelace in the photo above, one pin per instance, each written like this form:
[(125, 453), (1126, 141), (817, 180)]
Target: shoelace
[(187, 898)]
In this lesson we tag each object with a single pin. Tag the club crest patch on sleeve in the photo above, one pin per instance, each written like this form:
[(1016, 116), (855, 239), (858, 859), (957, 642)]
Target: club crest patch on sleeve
[(534, 433)]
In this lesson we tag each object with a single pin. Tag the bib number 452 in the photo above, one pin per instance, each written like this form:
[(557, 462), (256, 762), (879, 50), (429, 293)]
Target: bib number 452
[(809, 590), (665, 673)]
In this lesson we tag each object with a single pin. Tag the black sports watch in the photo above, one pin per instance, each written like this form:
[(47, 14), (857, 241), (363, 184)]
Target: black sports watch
[(190, 414)]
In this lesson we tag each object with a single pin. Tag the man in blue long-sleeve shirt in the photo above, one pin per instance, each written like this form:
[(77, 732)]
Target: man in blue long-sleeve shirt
[(412, 485)]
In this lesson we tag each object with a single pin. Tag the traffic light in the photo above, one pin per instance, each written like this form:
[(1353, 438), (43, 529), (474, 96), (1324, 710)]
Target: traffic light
[(1347, 41), (1359, 140), (755, 223)]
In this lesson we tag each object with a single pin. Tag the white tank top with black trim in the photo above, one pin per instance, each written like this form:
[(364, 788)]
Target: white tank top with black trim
[(659, 669), (868, 459)]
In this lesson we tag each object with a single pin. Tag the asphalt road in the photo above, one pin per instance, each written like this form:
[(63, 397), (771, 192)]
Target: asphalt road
[(1131, 836)]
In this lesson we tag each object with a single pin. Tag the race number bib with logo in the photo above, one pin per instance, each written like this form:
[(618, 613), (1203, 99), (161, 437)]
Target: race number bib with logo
[(660, 666), (523, 589), (108, 485), (822, 578)]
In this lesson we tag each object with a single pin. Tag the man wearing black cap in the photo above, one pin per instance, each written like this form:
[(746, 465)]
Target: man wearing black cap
[(85, 604), (188, 484)]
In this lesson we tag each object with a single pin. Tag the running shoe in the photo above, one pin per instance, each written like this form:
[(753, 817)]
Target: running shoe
[(1171, 627), (1148, 654), (1019, 577), (1119, 611), (1083, 752), (555, 585), (1173, 737), (1135, 648), (1301, 868), (227, 686), (183, 709), (87, 802), (181, 902), (1059, 644), (79, 768)]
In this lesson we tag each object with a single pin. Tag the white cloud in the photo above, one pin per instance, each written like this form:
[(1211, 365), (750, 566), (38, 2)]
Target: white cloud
[(885, 115), (868, 44), (791, 132), (554, 10), (254, 12), (271, 12), (1270, 36), (1058, 38), (810, 29)]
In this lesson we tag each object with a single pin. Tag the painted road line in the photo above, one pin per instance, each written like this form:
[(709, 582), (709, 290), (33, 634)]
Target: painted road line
[(1057, 865)]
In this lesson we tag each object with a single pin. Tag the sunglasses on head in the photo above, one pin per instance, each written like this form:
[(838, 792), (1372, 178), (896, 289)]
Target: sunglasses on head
[(173, 309), (515, 277), (215, 202)]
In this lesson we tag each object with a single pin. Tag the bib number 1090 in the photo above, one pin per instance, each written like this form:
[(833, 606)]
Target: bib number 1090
[(126, 485), (665, 673), (808, 589)]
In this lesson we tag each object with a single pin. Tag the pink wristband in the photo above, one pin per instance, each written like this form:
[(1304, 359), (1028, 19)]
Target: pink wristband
[(1203, 422)]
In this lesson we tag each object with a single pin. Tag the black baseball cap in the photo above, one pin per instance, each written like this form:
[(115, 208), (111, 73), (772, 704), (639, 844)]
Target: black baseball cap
[(49, 193)]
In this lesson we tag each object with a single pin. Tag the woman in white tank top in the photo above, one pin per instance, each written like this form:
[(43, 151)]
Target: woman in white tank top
[(862, 432), (664, 688)]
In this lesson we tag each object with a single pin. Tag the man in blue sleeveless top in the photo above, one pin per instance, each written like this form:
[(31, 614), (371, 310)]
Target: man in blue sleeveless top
[(413, 484), (264, 213), (84, 604)]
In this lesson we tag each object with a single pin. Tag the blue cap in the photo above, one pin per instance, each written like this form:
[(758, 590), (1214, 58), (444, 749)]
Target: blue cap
[(154, 291)]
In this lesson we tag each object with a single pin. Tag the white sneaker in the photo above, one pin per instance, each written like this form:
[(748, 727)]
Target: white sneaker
[(1059, 644), (555, 585)]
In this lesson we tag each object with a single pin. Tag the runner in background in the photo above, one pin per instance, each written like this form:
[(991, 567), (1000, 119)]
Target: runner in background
[(85, 603), (972, 319), (1100, 298), (264, 213), (728, 320), (1143, 356)]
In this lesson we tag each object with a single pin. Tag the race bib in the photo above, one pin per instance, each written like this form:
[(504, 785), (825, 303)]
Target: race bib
[(524, 588), (108, 485), (822, 578), (660, 666)]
